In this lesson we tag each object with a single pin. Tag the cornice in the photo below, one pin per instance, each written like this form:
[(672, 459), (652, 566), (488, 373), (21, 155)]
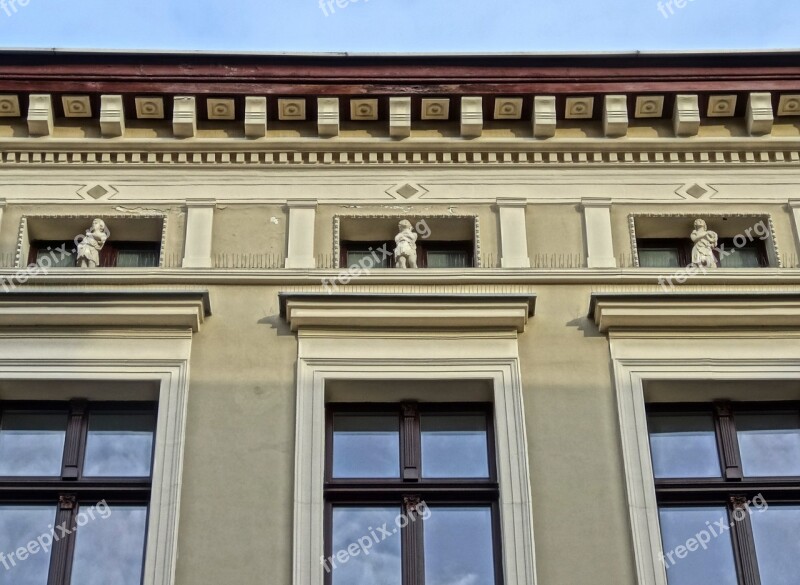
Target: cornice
[(726, 310), (344, 152), (624, 278), (391, 311), (127, 309)]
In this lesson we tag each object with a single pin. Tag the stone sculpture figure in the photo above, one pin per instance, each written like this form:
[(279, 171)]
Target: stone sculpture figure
[(704, 241), (90, 244), (405, 252)]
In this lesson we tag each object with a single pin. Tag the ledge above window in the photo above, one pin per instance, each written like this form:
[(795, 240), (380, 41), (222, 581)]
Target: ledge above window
[(695, 311), (384, 311), (154, 310)]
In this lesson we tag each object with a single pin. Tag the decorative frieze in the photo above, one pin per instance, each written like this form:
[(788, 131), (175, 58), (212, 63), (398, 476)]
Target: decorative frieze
[(721, 106), (507, 108), (579, 108), (435, 109), (291, 109), (789, 105), (150, 108), (221, 109), (649, 106), (76, 106), (364, 110), (9, 106)]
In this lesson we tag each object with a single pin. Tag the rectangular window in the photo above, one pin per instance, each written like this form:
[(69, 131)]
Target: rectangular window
[(75, 483), (456, 254), (677, 253), (416, 486), (727, 481), (113, 254)]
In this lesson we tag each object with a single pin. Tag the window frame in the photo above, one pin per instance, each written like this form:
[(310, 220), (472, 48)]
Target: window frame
[(410, 488), (684, 247), (639, 359), (68, 492), (108, 255), (732, 489), (423, 247)]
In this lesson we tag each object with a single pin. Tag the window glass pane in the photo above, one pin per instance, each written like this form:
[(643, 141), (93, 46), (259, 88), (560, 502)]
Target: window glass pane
[(383, 564), (445, 259), (459, 546), (136, 258), (357, 258), (119, 444), (109, 548), (20, 525), (366, 446), (769, 443), (32, 443), (747, 257), (454, 445), (777, 534), (658, 258), (683, 445), (56, 258), (680, 528)]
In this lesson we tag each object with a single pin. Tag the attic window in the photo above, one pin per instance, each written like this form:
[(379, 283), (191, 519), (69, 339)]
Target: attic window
[(442, 241), (134, 242), (743, 241)]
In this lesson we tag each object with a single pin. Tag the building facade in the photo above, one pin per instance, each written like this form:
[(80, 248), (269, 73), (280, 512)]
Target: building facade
[(441, 320)]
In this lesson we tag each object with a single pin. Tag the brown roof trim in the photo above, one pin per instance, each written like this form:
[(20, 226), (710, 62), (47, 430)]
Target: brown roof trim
[(337, 74)]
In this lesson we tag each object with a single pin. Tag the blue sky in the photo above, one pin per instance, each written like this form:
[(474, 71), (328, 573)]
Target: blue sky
[(401, 25)]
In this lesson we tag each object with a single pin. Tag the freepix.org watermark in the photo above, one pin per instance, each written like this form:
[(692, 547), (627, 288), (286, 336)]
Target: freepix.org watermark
[(10, 283), (11, 7), (670, 6), (760, 231), (45, 541), (712, 531), (363, 545), (328, 7)]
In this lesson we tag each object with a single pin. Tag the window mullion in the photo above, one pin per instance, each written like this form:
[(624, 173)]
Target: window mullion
[(410, 439), (75, 439), (743, 541), (413, 550), (728, 441), (63, 540)]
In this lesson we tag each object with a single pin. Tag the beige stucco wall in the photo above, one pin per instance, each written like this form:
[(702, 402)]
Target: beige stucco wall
[(236, 515)]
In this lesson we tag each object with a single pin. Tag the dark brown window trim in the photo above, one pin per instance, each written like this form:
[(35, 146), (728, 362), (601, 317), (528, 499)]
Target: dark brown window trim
[(108, 255), (684, 248), (732, 489), (71, 491), (410, 486), (423, 247)]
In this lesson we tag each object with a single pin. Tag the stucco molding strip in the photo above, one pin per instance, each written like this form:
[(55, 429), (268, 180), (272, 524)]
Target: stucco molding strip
[(486, 156), (387, 311), (695, 311), (134, 309)]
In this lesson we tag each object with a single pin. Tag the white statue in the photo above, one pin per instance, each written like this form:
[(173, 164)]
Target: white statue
[(704, 241), (405, 252), (90, 244)]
